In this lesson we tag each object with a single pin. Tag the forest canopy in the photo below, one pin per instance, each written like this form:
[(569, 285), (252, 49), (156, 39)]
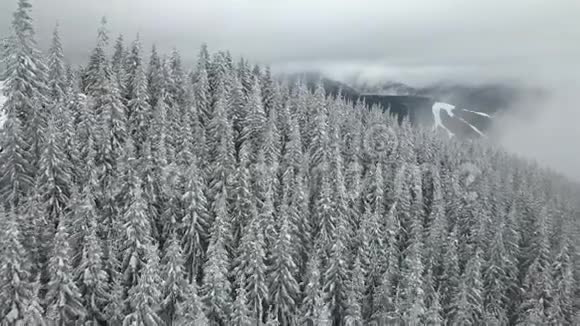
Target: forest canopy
[(135, 190)]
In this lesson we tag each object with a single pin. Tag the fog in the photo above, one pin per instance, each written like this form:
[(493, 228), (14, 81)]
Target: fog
[(531, 42)]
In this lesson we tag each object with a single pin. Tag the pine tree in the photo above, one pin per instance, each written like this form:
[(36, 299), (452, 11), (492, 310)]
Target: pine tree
[(19, 304), (174, 285), (221, 157), (118, 64), (451, 275), (57, 79), (255, 121), (94, 74), (355, 294), (318, 137), (538, 280), (336, 269), (202, 88), (55, 174), (145, 297), (241, 314), (216, 285), (434, 313), (244, 205), (413, 291), (495, 279), (137, 236), (314, 310), (26, 100), (190, 310), (195, 222), (560, 310), (16, 162), (63, 298), (139, 111), (25, 82), (90, 274), (154, 78), (283, 286), (250, 264), (467, 308)]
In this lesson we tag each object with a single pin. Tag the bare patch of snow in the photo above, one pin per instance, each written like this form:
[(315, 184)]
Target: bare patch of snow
[(478, 113), (437, 107)]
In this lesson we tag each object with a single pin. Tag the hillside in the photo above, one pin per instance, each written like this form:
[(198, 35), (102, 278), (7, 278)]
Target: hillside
[(471, 116), (226, 197)]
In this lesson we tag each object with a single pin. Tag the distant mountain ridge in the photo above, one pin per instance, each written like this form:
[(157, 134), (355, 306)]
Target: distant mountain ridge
[(473, 106)]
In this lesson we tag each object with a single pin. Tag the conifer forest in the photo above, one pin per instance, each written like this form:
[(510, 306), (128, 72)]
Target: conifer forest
[(137, 190)]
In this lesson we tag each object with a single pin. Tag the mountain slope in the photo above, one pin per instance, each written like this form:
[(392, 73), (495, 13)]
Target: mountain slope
[(446, 107)]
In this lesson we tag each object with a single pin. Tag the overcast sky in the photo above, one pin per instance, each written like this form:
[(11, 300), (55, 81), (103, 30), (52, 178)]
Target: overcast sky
[(412, 41)]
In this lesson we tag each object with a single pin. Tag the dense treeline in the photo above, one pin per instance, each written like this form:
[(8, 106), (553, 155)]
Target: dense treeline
[(141, 193)]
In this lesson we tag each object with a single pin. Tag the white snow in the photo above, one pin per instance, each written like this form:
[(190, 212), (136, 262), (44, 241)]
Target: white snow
[(437, 107), (472, 127), (478, 113)]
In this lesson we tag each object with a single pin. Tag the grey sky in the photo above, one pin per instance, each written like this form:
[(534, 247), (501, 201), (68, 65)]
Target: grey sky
[(416, 40), (413, 41)]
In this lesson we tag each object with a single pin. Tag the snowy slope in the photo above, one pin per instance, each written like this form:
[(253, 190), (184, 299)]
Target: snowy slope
[(449, 108)]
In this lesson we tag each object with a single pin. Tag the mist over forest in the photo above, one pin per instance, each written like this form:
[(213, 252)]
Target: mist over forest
[(144, 184)]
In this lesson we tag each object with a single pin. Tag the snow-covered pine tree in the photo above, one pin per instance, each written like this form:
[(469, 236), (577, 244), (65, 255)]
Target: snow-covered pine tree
[(450, 277), (19, 301), (94, 72), (202, 87), (57, 78), (26, 91), (174, 282), (241, 313), (190, 311), (139, 112), (255, 120), (216, 287), (136, 237), (63, 298), (16, 162), (355, 294), (314, 310), (221, 156), (317, 140), (335, 272), (132, 65), (244, 204), (434, 314), (118, 64), (561, 309), (495, 279), (145, 297), (412, 282), (467, 307), (91, 276), (250, 263), (154, 77), (283, 287), (55, 172), (538, 282), (194, 230)]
